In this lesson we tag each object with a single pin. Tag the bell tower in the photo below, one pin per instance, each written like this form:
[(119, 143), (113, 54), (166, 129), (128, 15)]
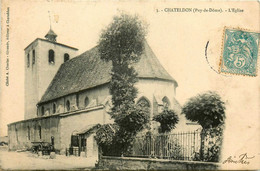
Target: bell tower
[(43, 58)]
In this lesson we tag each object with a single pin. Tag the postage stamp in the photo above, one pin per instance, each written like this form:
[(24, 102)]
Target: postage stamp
[(240, 52)]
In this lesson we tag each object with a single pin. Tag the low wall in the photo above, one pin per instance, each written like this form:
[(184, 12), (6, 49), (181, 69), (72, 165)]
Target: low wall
[(131, 163)]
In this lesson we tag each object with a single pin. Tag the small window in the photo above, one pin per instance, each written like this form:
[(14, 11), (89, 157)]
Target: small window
[(68, 105), (54, 108), (28, 60), (16, 132), (40, 132), (33, 57), (52, 141), (166, 103), (77, 100), (86, 101), (51, 57), (66, 57), (42, 110), (28, 133)]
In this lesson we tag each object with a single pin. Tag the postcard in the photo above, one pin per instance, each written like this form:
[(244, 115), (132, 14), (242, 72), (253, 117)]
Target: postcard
[(130, 85)]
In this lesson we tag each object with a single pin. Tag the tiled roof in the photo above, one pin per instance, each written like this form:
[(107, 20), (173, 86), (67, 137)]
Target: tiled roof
[(88, 71)]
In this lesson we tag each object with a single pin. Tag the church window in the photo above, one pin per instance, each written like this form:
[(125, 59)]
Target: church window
[(54, 108), (28, 60), (28, 132), (166, 103), (66, 57), (16, 132), (86, 101), (68, 105), (33, 57), (77, 100), (143, 102), (51, 56), (40, 132), (42, 110)]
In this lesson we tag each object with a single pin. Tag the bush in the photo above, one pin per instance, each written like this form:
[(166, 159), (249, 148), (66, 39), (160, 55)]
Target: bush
[(168, 119), (214, 139), (207, 109)]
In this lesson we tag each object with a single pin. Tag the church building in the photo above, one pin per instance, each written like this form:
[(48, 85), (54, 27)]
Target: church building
[(67, 94)]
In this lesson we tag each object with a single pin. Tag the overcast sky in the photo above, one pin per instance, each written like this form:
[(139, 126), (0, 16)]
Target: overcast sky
[(177, 38)]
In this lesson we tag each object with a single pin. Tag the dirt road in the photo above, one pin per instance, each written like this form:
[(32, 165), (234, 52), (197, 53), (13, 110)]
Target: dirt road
[(29, 161)]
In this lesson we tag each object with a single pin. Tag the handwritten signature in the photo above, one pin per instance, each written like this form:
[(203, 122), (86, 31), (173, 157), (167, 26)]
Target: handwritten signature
[(242, 159)]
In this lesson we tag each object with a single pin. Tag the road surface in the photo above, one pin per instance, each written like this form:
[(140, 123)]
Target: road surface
[(29, 161)]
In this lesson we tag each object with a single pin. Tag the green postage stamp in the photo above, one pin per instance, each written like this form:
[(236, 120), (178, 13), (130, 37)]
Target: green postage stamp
[(240, 52)]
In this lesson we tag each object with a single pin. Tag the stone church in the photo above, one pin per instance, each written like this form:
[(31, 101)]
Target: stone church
[(67, 94)]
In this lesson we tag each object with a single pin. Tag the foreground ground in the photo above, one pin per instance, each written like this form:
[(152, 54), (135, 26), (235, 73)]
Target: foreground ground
[(30, 161)]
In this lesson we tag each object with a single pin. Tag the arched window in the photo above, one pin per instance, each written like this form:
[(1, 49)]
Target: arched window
[(28, 132), (33, 57), (16, 132), (40, 132), (28, 60), (143, 102), (68, 105), (42, 110), (86, 101), (54, 108), (66, 57), (51, 56), (77, 100), (166, 103)]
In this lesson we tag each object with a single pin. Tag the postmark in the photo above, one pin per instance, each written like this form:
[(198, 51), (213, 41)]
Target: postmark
[(239, 52)]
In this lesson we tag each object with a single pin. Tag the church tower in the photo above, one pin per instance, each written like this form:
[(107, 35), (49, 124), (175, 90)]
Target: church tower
[(43, 58)]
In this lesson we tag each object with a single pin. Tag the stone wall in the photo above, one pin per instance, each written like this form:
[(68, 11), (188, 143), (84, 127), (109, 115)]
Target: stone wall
[(96, 97), (130, 163), (154, 90), (22, 133), (92, 147), (73, 123)]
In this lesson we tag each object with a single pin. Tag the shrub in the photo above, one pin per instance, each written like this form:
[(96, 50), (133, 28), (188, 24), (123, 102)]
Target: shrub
[(168, 119)]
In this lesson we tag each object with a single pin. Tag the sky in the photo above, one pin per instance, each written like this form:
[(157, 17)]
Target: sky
[(178, 39)]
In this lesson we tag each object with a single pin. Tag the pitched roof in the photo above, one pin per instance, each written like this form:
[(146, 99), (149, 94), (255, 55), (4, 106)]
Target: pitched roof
[(88, 71), (51, 32), (88, 129)]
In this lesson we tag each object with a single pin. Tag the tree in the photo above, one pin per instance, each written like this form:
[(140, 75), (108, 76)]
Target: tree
[(207, 109), (168, 119), (122, 43), (105, 137)]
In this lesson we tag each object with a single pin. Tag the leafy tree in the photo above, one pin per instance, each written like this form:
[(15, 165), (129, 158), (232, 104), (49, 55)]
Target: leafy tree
[(105, 134), (105, 137), (207, 109), (168, 119), (122, 43)]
